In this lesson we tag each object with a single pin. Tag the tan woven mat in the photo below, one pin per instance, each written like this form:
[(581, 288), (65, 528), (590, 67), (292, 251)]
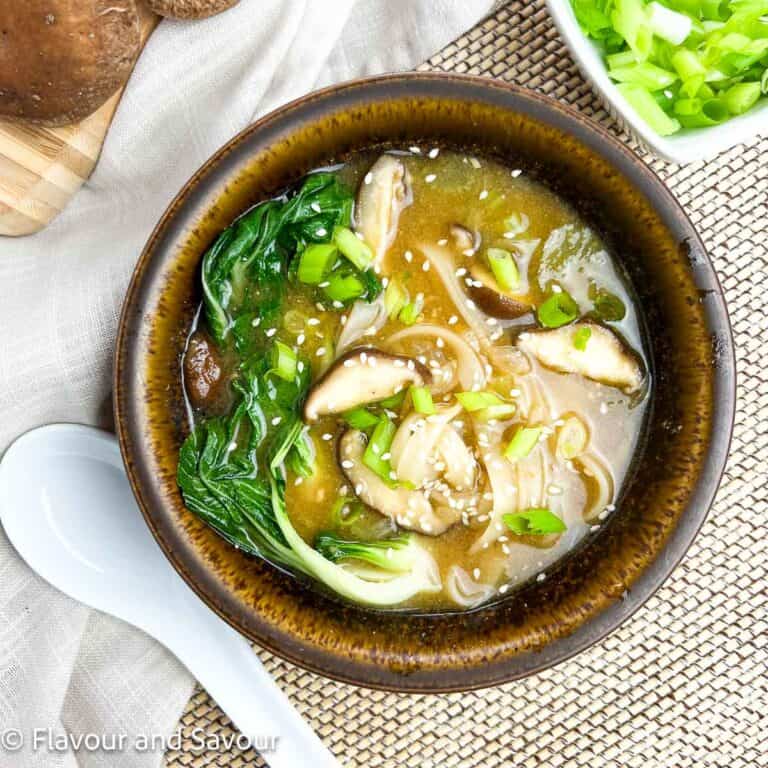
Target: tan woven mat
[(685, 681)]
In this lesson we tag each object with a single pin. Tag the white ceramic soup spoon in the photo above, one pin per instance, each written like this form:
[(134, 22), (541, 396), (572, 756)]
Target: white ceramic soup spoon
[(67, 508)]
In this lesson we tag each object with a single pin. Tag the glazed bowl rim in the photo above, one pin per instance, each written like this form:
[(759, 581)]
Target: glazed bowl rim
[(715, 311)]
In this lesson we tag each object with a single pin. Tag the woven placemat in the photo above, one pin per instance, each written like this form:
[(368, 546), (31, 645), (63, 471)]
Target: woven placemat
[(684, 682)]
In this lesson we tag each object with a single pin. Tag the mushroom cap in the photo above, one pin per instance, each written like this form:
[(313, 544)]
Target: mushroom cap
[(605, 357), (61, 60), (383, 194), (361, 376), (190, 9), (408, 508)]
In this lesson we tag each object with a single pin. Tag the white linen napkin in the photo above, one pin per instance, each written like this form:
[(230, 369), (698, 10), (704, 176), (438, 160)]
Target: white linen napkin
[(63, 666)]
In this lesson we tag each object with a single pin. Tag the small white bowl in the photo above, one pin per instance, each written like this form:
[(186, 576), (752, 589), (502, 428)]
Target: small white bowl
[(686, 146)]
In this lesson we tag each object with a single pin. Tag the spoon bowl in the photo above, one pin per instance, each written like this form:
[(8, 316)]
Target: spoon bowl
[(68, 510)]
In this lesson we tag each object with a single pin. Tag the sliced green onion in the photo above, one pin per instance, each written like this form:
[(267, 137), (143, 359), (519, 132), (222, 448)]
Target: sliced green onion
[(741, 97), (559, 309), (716, 10), (504, 268), (496, 412), (395, 298), (534, 522), (351, 246), (712, 112), (687, 64), (631, 22), (378, 446), (606, 305), (284, 361), (646, 75), (522, 443), (315, 261), (581, 337), (409, 314), (477, 401), (345, 512), (667, 24), (422, 400), (621, 59), (717, 49), (645, 106), (360, 418), (393, 402), (344, 286)]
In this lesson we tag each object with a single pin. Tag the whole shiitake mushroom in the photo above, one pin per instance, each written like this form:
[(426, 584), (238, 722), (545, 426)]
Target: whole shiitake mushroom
[(60, 60), (190, 9)]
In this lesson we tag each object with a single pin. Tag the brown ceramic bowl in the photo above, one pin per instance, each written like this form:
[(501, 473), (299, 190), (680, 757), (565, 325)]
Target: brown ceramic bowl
[(676, 474)]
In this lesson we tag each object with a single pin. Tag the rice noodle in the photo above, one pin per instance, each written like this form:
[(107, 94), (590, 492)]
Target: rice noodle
[(470, 370), (460, 465), (442, 261), (364, 319), (597, 470), (413, 446), (464, 590), (503, 482)]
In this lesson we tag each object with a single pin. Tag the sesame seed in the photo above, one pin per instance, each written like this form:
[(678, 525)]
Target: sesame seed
[(452, 320), (408, 256), (433, 153), (300, 339), (232, 446), (321, 232), (348, 464), (541, 576), (556, 289), (483, 194), (315, 207), (368, 178), (503, 588), (430, 177), (425, 266), (442, 241), (255, 321), (415, 150), (270, 332), (327, 436), (276, 420), (320, 351), (516, 173), (300, 366), (460, 272), (474, 162), (313, 321)]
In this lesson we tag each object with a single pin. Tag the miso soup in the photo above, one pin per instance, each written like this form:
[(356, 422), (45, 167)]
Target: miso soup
[(418, 378)]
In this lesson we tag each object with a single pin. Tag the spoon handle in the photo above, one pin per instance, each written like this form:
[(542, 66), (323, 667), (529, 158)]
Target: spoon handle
[(227, 667)]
